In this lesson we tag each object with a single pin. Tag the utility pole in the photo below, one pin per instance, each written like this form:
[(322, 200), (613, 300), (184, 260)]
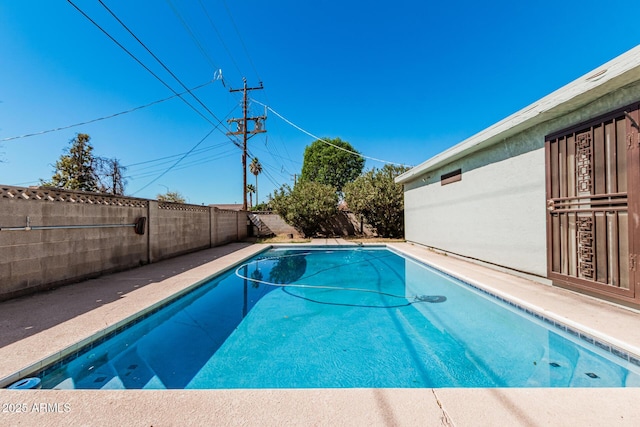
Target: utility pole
[(243, 129)]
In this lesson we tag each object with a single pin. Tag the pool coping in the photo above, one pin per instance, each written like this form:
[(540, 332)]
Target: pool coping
[(532, 406)]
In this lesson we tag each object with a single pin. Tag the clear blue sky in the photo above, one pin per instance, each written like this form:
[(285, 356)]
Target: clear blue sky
[(401, 81)]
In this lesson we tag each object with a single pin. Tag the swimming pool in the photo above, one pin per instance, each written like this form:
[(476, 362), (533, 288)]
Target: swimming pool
[(332, 317)]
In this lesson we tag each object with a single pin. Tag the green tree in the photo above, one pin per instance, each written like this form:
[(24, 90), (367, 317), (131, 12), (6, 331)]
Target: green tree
[(376, 196), (171, 196), (76, 170), (250, 189), (307, 206), (256, 169), (329, 165)]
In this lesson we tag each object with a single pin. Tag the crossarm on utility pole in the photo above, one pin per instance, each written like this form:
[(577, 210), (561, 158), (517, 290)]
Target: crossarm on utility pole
[(243, 129)]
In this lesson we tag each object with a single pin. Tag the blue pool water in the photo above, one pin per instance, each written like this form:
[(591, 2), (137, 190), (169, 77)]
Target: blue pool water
[(364, 317)]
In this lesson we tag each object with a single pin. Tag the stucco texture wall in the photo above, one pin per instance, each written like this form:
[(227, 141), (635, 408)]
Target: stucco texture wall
[(497, 212)]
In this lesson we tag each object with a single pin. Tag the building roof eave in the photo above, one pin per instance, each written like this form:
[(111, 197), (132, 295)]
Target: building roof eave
[(615, 74)]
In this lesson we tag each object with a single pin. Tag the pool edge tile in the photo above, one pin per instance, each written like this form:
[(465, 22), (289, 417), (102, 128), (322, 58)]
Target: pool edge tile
[(531, 310)]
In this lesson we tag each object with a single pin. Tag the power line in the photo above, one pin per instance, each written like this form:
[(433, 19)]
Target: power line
[(274, 147), (192, 34), (195, 162), (104, 118), (158, 60), (185, 155), (19, 184), (288, 156), (243, 129), (174, 156), (246, 51), (220, 38), (176, 163), (244, 47), (282, 157), (324, 140), (140, 62), (265, 170), (265, 166), (158, 167)]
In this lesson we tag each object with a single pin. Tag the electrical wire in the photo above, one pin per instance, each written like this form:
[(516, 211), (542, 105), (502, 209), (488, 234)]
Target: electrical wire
[(185, 155), (139, 62), (105, 117), (288, 157), (355, 153), (151, 172), (199, 162), (275, 153), (277, 156), (20, 184), (173, 156), (192, 34), (159, 61), (176, 163), (244, 47), (171, 73), (254, 69), (206, 12), (265, 172)]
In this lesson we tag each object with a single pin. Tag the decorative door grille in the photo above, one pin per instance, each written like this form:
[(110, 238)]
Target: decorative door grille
[(593, 178)]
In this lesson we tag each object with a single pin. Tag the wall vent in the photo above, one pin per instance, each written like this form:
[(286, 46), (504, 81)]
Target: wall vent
[(450, 177)]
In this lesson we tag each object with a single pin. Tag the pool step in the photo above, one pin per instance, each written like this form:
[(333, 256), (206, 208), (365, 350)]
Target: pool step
[(128, 371)]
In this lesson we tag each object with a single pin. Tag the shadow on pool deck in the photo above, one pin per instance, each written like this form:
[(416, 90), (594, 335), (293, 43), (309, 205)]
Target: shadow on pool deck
[(26, 316)]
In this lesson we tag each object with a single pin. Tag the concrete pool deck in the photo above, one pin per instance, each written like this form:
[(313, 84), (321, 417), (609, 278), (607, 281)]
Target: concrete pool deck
[(40, 326)]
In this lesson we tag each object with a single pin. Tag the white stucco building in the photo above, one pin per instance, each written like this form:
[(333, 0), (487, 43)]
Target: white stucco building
[(552, 190)]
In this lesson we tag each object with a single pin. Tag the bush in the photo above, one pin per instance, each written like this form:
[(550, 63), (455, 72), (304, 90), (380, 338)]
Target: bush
[(377, 197), (306, 206)]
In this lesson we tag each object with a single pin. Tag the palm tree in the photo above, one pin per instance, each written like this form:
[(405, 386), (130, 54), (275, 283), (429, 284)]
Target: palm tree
[(255, 168), (250, 189)]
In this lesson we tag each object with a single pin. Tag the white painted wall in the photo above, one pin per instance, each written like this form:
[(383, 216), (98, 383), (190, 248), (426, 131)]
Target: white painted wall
[(496, 213)]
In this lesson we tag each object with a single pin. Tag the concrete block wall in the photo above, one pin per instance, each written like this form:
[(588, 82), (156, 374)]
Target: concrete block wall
[(276, 224), (243, 224), (30, 259), (344, 224), (92, 234), (178, 229), (226, 226)]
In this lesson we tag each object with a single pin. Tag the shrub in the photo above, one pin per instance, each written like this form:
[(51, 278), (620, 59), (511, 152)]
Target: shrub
[(306, 206), (377, 197)]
